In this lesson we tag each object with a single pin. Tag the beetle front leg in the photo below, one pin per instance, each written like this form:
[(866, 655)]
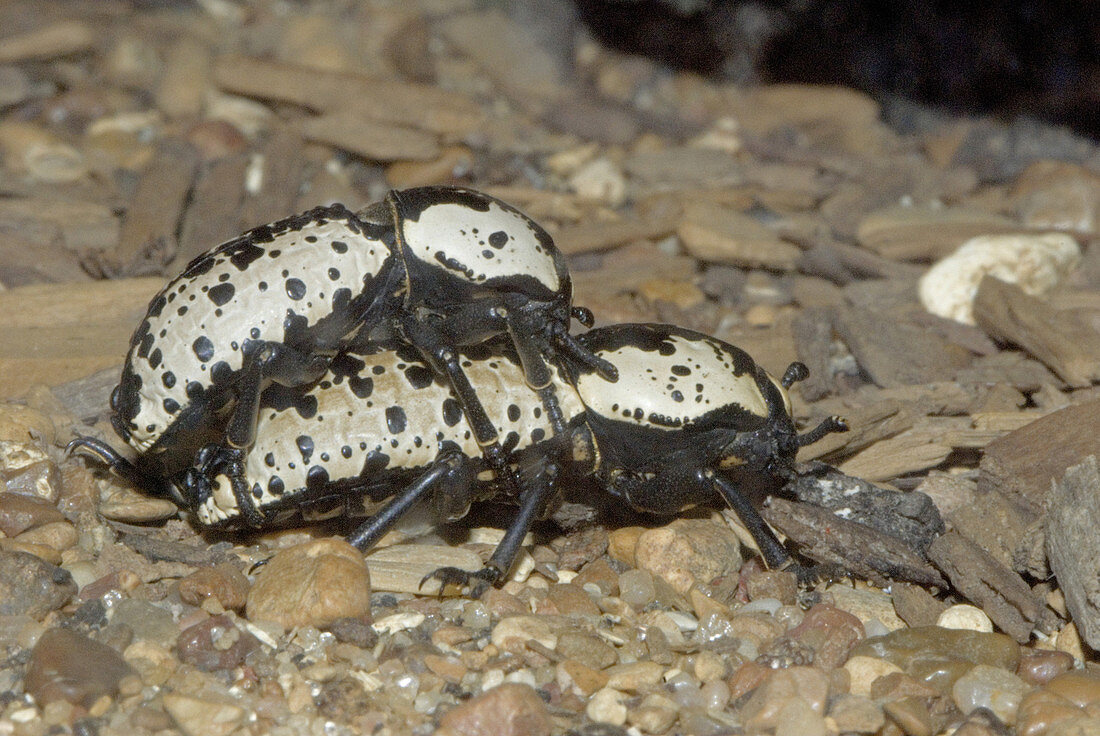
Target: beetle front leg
[(212, 462)]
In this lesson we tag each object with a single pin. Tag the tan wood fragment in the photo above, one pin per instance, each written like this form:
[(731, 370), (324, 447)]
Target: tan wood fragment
[(720, 234), (80, 225), (148, 239), (1060, 341), (923, 233), (427, 107), (370, 139), (280, 171), (867, 426), (54, 333), (1073, 545), (908, 452), (212, 215), (57, 39), (594, 236), (402, 567)]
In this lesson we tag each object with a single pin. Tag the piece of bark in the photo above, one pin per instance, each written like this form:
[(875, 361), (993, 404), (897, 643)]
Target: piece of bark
[(813, 338), (53, 333), (594, 236), (1073, 545), (81, 226), (994, 523), (88, 398), (1059, 340), (997, 590), (376, 141), (911, 451), (273, 193), (1022, 464), (147, 242), (867, 425), (23, 262), (842, 263), (915, 605), (213, 213), (896, 353), (862, 550), (1008, 366), (909, 516), (427, 107)]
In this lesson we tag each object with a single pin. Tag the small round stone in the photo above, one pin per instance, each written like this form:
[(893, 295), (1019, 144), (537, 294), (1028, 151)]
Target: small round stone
[(607, 706), (966, 617), (689, 552), (863, 671), (990, 687), (508, 710)]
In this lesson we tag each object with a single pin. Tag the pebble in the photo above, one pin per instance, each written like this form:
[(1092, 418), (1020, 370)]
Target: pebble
[(224, 583), (586, 680), (655, 714), (311, 584), (864, 670), (771, 584), (513, 632), (911, 716), (589, 650), (867, 604), (830, 633), (203, 716), (771, 703), (990, 687), (598, 572), (146, 621), (27, 469), (607, 706), (31, 586), (215, 644), (1040, 666), (120, 503), (22, 424), (56, 535), (852, 713), (940, 656), (1058, 195), (966, 617), (1034, 262), (634, 676), (718, 234), (601, 180), (637, 588), (20, 512), (622, 542), (65, 665), (508, 710), (689, 552), (568, 599), (1060, 704)]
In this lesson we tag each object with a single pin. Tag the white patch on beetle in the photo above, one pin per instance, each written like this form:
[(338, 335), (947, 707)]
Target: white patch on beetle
[(696, 377), (206, 318), (478, 246)]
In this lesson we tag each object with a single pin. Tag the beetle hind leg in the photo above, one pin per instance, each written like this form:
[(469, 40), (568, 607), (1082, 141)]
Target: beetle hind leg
[(119, 465)]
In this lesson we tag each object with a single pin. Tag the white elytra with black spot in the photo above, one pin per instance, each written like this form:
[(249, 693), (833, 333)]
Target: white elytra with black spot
[(347, 428), (497, 243), (300, 269), (695, 377)]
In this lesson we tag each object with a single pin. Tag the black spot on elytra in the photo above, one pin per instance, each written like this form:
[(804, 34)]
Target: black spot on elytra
[(221, 294), (487, 254), (144, 345), (281, 398), (681, 370), (245, 255), (168, 379), (339, 246), (221, 373), (269, 460), (171, 406), (334, 273), (378, 370), (156, 306), (511, 440), (154, 358), (346, 451), (499, 239), (275, 486), (396, 420), (677, 396), (199, 266), (316, 478), (295, 289), (452, 412), (666, 348), (194, 390), (513, 413), (204, 349), (375, 462), (305, 446), (361, 386), (257, 491), (418, 376), (538, 434)]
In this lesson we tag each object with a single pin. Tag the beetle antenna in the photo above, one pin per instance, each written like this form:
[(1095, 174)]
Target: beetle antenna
[(830, 425), (795, 372)]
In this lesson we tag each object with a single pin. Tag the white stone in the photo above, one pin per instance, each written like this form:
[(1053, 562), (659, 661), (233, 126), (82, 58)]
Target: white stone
[(966, 617), (607, 706), (1034, 262), (601, 180)]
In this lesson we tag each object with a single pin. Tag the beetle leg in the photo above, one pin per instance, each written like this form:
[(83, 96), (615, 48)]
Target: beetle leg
[(531, 506), (583, 315), (218, 460), (570, 346), (120, 466), (774, 554), (830, 425), (269, 362), (449, 474)]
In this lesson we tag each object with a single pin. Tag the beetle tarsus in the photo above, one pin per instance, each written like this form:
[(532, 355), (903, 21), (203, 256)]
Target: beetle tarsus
[(795, 372), (830, 425), (469, 583)]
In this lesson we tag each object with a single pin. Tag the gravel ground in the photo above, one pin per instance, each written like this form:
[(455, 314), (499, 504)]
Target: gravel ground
[(789, 220)]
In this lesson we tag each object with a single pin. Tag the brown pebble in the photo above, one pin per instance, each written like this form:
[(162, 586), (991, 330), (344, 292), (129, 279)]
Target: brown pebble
[(898, 685), (569, 600), (20, 512), (224, 583), (57, 535), (587, 649), (354, 630), (598, 572), (1041, 710), (911, 716), (856, 714), (621, 544), (1080, 687), (771, 584), (67, 666), (747, 678), (502, 604), (449, 667), (830, 633), (689, 552), (30, 586), (1040, 666), (311, 584), (215, 644), (766, 706), (583, 677), (508, 710)]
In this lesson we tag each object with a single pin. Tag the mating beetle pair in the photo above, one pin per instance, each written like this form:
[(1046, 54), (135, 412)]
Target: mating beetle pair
[(690, 420), (437, 268), (368, 344)]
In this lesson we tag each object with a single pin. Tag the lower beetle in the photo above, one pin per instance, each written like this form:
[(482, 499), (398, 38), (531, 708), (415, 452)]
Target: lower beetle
[(437, 268), (691, 420)]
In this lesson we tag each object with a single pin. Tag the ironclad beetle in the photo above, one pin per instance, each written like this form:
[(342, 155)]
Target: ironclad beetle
[(435, 267), (691, 420)]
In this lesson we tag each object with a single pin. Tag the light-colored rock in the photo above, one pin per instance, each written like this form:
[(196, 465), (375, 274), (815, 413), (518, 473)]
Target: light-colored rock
[(600, 180), (1035, 262), (965, 616), (311, 584), (607, 706), (513, 632), (689, 552), (990, 687), (862, 671), (201, 716), (511, 709)]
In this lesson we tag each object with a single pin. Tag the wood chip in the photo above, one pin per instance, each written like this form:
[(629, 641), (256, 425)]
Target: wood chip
[(719, 234), (57, 333), (81, 226), (909, 452), (271, 191), (147, 242), (814, 338), (213, 212), (426, 107), (402, 567), (372, 140), (595, 236), (915, 605), (1073, 545), (997, 590), (896, 353), (1059, 340), (924, 233), (25, 262), (63, 38), (868, 425)]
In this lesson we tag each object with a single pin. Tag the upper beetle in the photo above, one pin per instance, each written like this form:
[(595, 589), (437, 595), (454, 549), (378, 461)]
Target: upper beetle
[(692, 420), (438, 268)]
